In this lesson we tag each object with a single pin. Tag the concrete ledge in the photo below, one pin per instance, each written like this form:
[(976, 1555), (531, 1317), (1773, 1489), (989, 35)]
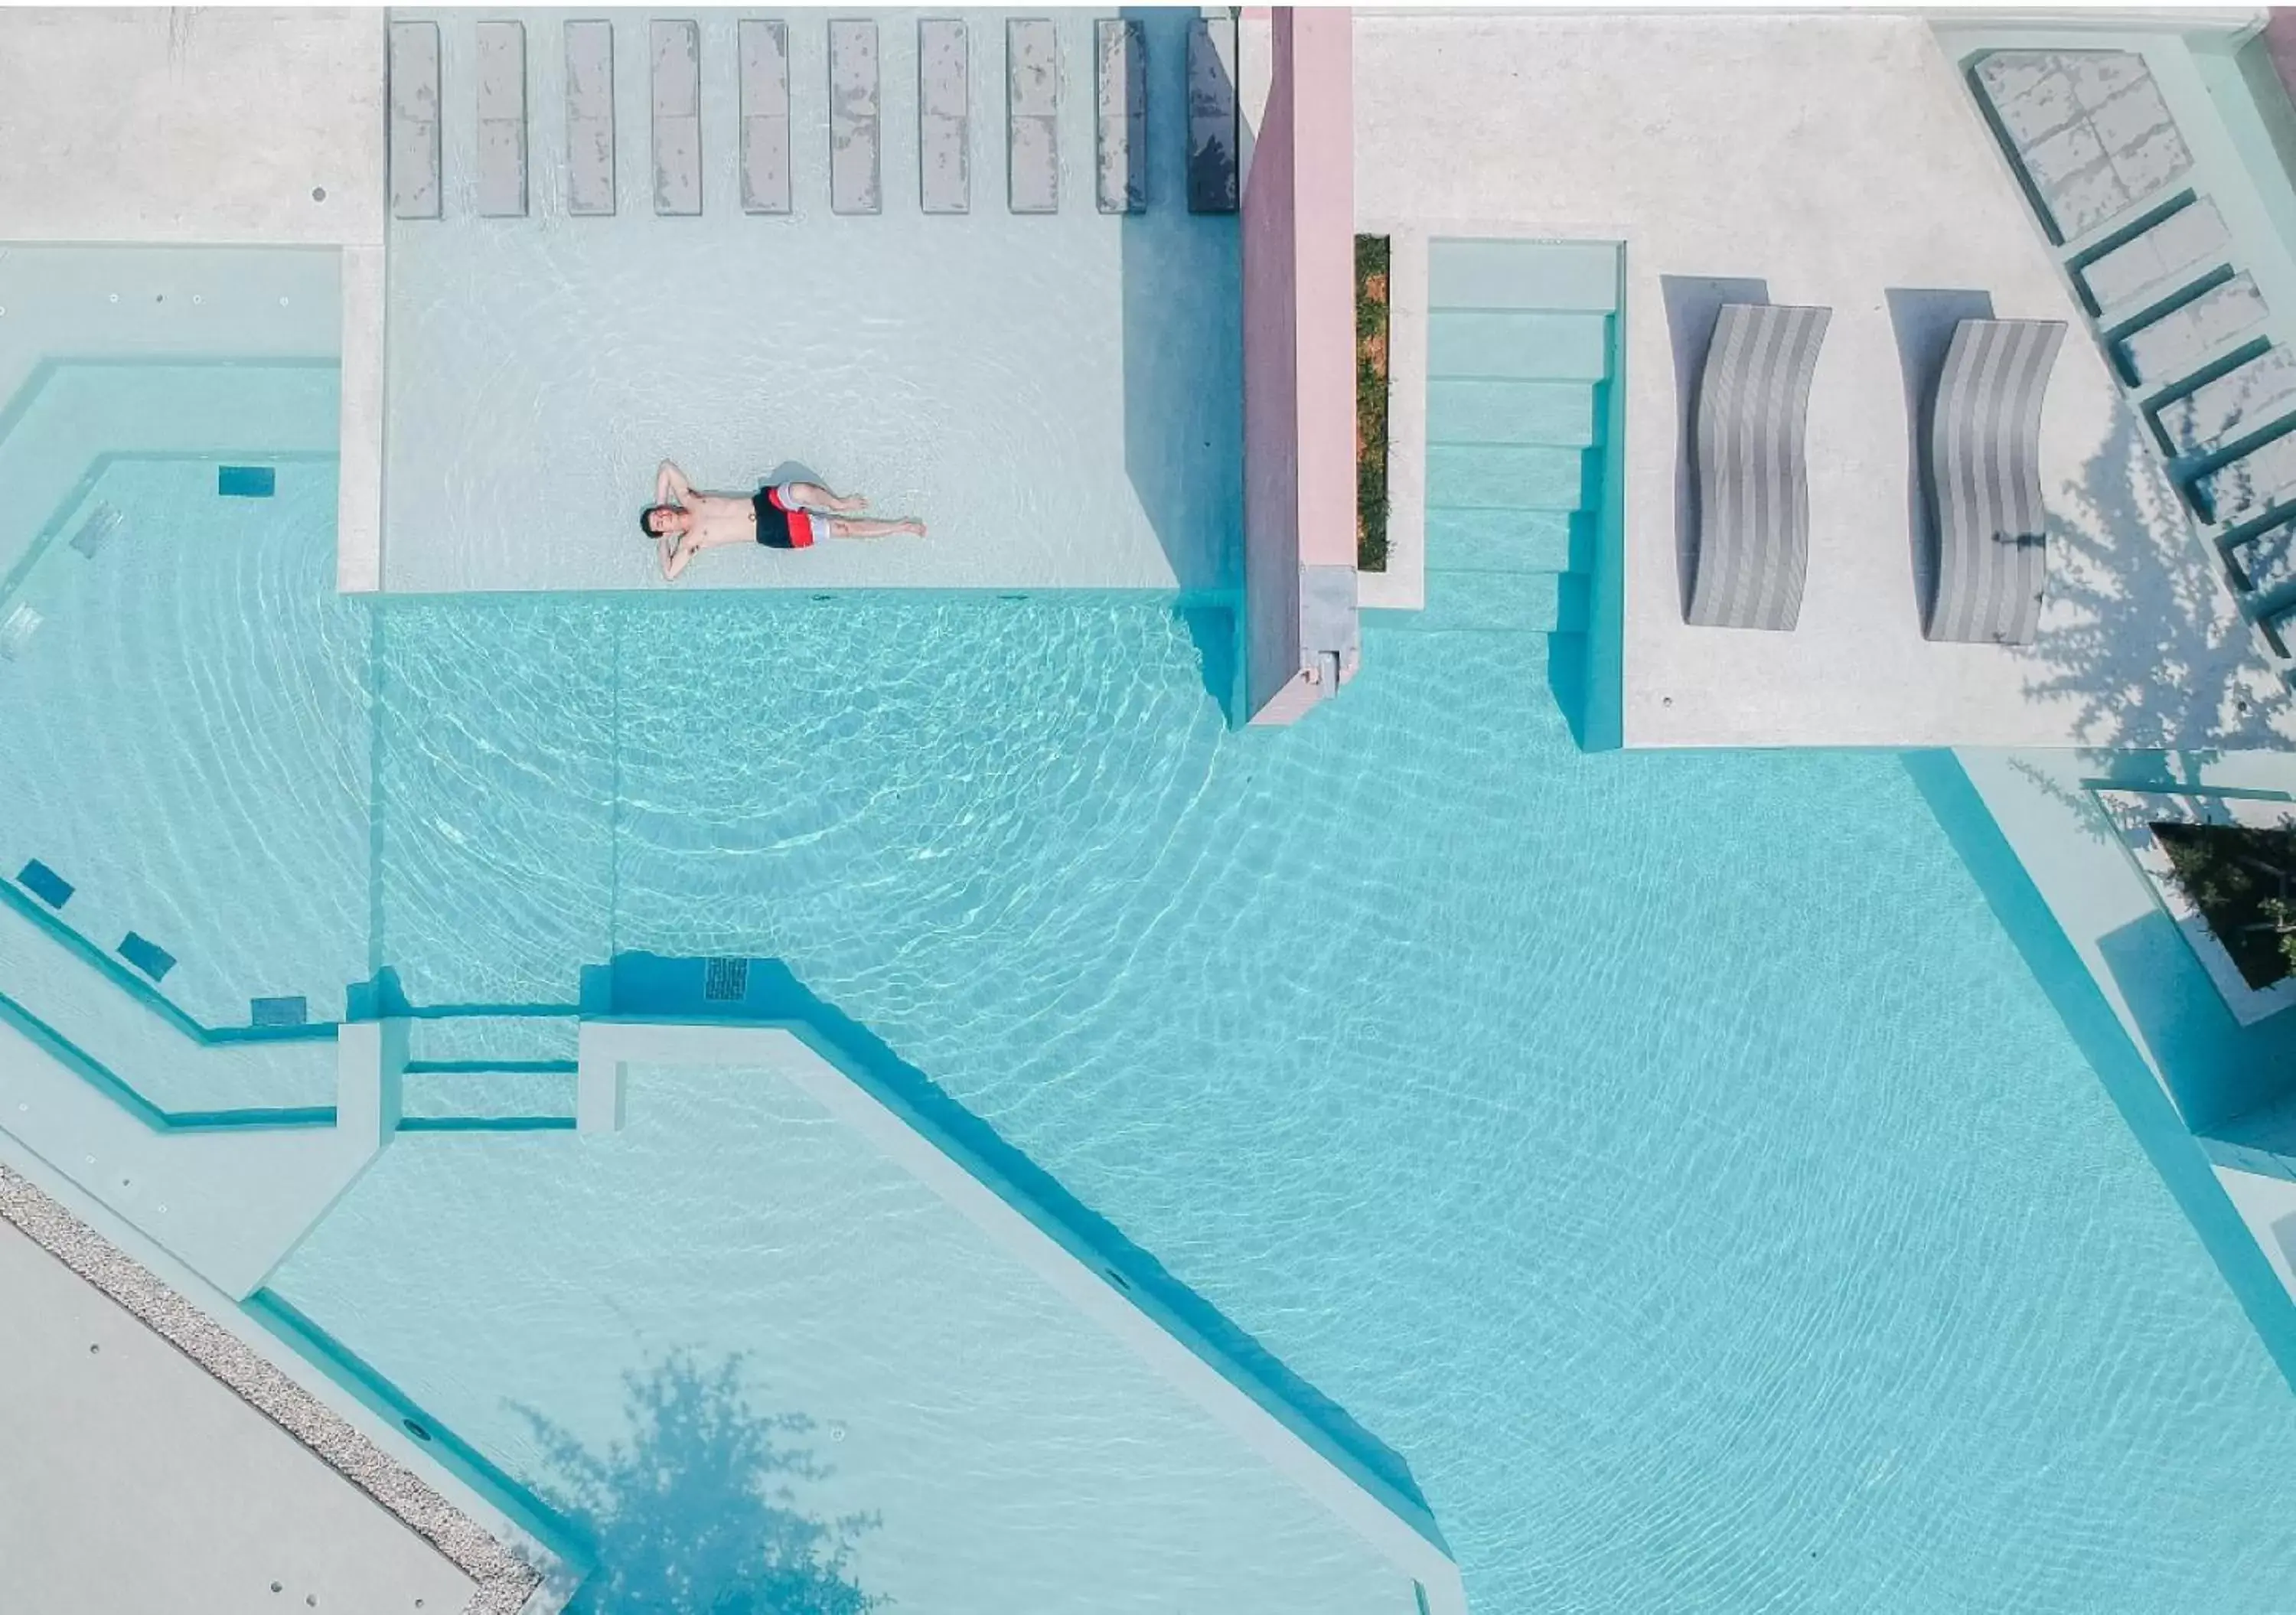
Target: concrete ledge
[(358, 486), (1402, 1532)]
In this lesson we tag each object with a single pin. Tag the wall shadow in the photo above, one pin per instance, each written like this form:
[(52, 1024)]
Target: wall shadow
[(1182, 278), (696, 1512), (2216, 1068), (1212, 628), (1923, 321), (1692, 304)]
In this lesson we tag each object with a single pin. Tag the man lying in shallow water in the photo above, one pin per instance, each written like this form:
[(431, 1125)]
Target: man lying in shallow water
[(792, 516)]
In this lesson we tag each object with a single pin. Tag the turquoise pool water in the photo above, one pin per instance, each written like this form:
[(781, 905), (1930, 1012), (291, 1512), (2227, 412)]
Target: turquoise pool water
[(1668, 1155)]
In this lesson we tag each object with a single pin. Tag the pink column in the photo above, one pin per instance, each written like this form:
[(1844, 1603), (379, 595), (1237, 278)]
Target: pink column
[(1298, 373)]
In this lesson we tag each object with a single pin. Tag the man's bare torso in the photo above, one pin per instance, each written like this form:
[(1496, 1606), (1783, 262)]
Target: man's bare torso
[(720, 519)]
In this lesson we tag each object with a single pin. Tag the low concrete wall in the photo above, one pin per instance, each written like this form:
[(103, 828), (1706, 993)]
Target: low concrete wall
[(1298, 367)]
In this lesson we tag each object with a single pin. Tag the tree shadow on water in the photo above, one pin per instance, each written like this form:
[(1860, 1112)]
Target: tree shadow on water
[(697, 1513)]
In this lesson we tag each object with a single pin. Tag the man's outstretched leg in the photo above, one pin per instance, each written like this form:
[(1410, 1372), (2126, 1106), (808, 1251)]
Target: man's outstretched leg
[(813, 496), (848, 527)]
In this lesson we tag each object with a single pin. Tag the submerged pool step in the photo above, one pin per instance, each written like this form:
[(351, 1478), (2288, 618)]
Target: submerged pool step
[(492, 1042), (1518, 344), (509, 1101), (1513, 603), (1505, 476), (1510, 540), (1470, 410)]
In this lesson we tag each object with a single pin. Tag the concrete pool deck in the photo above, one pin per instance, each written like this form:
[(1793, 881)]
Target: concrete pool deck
[(158, 1488), (181, 1468), (1835, 160)]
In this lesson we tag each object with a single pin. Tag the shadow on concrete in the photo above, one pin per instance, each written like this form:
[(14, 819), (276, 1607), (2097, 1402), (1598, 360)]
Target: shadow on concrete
[(2148, 649), (1692, 304), (2165, 1136), (1923, 321), (650, 987), (1182, 277), (695, 1513)]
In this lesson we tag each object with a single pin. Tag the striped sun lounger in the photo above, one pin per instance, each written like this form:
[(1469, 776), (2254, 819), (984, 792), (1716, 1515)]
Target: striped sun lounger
[(1985, 481), (1753, 482)]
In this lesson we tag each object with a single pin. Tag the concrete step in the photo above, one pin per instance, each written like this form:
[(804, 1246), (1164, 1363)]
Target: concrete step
[(1558, 413), (1510, 540), (1506, 477), (1507, 344), (1518, 603), (1558, 275)]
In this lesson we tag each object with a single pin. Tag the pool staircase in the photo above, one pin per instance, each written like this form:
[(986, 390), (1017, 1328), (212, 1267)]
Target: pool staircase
[(489, 1073), (675, 117), (1521, 359)]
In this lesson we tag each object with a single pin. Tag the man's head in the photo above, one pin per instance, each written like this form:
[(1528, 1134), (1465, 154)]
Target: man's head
[(659, 520)]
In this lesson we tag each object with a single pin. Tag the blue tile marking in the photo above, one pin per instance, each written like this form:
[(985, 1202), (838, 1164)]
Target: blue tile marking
[(246, 481), (146, 956), (46, 884), (278, 1011)]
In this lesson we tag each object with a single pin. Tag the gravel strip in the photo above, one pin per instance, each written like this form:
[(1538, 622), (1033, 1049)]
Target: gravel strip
[(504, 1580)]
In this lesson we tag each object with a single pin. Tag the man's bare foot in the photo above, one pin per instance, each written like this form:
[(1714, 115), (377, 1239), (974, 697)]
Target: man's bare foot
[(851, 504), (913, 525)]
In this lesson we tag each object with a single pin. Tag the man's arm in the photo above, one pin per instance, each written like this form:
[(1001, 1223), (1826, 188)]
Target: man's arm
[(670, 485), (675, 554)]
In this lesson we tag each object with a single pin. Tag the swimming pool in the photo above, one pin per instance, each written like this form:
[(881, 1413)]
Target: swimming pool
[(1667, 1154)]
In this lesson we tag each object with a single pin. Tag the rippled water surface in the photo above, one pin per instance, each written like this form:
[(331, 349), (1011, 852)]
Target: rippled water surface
[(1668, 1155)]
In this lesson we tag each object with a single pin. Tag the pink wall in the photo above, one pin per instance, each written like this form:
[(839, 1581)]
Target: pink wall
[(1298, 368)]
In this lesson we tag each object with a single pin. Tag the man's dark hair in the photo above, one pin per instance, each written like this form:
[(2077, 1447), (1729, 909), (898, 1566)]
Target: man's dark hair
[(646, 519)]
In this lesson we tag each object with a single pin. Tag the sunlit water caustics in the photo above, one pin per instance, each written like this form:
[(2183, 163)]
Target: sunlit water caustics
[(1667, 1154)]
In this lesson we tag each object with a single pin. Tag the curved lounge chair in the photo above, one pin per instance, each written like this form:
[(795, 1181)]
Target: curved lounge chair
[(1753, 486), (1985, 481)]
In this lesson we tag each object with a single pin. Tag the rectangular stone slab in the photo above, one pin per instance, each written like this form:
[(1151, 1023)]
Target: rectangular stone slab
[(943, 117), (2176, 344), (1032, 109), (2237, 403), (677, 55), (414, 120), (2153, 264), (2268, 560), (764, 117), (502, 119), (2251, 485), (1120, 114), (855, 134), (590, 117), (1211, 115)]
